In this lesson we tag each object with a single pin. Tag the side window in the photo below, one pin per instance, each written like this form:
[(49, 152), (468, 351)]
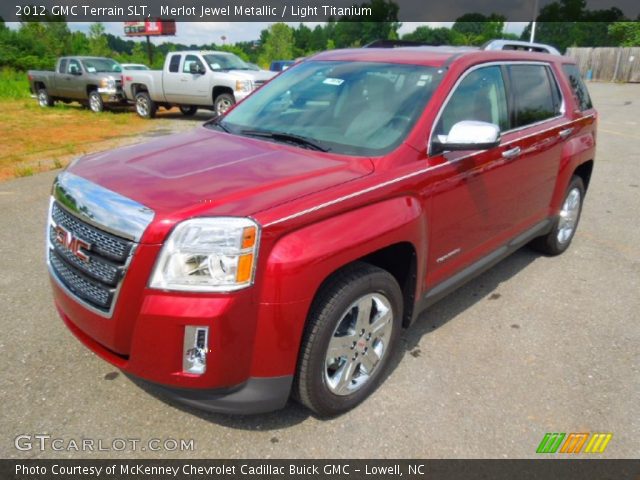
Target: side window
[(577, 85), (191, 60), (535, 94), (74, 66), (480, 96), (174, 64), (63, 66)]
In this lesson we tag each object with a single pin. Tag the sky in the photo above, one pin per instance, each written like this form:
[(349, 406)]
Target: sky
[(189, 33)]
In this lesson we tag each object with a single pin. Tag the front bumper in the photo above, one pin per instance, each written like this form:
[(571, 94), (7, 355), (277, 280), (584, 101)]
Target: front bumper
[(112, 95)]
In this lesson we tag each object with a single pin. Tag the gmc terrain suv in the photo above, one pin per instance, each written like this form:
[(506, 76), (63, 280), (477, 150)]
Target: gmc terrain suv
[(279, 250)]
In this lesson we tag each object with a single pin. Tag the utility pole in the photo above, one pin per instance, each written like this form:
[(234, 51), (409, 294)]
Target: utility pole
[(149, 51), (533, 24)]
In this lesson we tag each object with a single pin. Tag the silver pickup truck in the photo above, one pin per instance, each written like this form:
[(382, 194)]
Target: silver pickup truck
[(92, 81), (192, 80)]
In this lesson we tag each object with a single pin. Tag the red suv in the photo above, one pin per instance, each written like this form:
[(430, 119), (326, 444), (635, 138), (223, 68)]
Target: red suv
[(281, 249)]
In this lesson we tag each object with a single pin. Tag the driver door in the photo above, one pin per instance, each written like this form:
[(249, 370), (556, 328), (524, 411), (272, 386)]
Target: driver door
[(468, 214)]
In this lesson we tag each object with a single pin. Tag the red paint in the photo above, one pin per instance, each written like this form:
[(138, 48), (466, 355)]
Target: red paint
[(319, 211)]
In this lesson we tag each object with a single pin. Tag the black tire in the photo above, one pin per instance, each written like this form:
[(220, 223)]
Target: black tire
[(223, 102), (145, 107), (96, 104), (555, 242), (44, 100), (329, 311), (188, 110)]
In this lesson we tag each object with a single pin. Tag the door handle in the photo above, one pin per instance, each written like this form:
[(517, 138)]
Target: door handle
[(184, 80), (512, 153), (565, 133)]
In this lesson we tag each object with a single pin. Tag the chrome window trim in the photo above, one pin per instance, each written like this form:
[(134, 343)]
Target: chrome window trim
[(500, 64), (101, 207), (70, 294)]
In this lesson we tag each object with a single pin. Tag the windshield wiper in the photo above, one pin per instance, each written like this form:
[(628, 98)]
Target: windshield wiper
[(286, 137), (217, 122)]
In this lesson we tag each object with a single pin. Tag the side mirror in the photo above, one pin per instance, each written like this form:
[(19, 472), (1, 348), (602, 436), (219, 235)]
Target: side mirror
[(74, 71), (467, 135), (195, 69)]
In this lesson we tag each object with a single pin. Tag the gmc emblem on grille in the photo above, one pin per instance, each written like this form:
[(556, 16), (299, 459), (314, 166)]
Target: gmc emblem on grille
[(72, 243)]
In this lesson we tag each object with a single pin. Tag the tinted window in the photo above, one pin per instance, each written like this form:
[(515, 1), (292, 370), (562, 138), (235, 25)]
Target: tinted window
[(577, 85), (63, 66), (480, 96), (535, 97), (174, 63), (191, 60)]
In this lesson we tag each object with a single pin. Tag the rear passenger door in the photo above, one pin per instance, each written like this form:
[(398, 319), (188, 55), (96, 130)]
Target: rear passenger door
[(172, 80), (536, 137)]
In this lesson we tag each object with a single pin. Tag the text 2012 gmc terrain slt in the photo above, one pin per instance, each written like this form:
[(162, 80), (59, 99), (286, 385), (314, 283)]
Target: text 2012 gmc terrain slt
[(279, 250)]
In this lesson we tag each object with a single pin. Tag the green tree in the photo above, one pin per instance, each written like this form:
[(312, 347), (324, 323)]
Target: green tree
[(626, 34), (476, 28), (98, 43), (278, 44)]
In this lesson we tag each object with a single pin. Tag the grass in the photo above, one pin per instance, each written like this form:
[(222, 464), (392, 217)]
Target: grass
[(13, 85), (36, 139)]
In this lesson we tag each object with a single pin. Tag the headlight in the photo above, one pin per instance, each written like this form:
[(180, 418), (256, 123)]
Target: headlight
[(244, 85), (208, 255), (108, 83)]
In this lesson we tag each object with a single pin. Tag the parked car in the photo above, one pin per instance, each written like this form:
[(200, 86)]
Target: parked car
[(133, 66), (280, 249), (281, 65), (93, 81), (192, 80)]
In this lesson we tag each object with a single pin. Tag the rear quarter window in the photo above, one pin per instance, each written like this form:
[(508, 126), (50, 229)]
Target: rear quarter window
[(578, 87), (535, 94), (174, 64)]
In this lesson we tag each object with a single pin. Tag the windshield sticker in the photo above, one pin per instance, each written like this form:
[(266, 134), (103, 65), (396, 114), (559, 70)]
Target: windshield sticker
[(333, 81), (91, 69)]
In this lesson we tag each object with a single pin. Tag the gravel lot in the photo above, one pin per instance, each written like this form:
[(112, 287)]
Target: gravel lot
[(535, 345)]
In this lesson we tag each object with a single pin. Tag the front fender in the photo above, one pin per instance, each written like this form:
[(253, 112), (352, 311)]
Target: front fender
[(300, 261)]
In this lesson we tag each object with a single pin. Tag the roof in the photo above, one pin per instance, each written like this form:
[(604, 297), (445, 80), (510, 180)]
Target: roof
[(432, 56)]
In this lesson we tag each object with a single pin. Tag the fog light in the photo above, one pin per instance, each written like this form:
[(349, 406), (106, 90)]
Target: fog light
[(194, 350)]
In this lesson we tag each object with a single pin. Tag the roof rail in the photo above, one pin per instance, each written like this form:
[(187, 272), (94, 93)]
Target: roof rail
[(519, 45), (394, 44)]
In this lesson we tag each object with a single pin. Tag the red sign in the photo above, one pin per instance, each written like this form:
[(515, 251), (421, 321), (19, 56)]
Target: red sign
[(150, 27)]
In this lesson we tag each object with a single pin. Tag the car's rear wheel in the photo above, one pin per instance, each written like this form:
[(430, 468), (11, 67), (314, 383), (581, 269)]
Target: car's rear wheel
[(44, 100), (188, 110), (145, 107), (223, 102), (565, 224), (350, 337), (96, 104)]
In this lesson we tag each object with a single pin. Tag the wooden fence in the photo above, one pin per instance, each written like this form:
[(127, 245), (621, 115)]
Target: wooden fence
[(608, 64)]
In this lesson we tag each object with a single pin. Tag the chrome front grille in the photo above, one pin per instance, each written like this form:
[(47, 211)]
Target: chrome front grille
[(92, 272)]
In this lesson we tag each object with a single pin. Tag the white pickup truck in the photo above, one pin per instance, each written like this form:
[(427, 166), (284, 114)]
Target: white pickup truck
[(191, 80)]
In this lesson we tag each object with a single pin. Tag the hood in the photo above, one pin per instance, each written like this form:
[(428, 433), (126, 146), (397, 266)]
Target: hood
[(259, 75), (214, 173)]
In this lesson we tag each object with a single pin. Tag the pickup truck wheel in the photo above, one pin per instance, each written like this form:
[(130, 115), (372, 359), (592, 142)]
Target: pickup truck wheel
[(351, 333), (565, 224), (96, 104), (223, 102), (145, 107), (44, 100), (188, 110)]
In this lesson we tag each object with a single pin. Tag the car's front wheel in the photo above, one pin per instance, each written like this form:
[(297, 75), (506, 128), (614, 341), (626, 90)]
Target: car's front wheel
[(349, 340), (565, 223), (96, 104), (223, 102), (188, 110)]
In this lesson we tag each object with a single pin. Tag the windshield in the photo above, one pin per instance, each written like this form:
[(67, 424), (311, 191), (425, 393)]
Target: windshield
[(355, 108), (218, 61), (101, 65)]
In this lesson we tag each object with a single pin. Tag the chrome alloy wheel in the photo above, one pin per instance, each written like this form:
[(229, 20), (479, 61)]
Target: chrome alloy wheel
[(142, 106), (43, 99), (223, 105), (94, 103), (358, 344), (569, 215)]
